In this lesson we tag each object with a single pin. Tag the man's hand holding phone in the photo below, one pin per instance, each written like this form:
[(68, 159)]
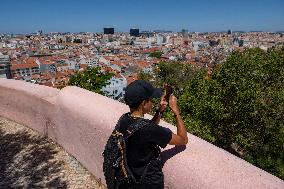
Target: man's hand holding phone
[(165, 98), (174, 105)]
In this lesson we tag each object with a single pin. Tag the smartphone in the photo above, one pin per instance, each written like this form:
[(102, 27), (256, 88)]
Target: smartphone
[(168, 92)]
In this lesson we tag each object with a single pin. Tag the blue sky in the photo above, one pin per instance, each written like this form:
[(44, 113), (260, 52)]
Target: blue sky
[(26, 16)]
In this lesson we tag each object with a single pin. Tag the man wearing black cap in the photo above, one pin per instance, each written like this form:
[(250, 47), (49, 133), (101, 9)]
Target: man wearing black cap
[(143, 147)]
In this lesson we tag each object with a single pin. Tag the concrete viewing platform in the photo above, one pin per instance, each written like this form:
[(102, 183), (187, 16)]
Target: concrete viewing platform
[(81, 121), (29, 160)]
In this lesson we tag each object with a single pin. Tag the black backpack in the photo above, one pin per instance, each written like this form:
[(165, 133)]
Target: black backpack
[(116, 170)]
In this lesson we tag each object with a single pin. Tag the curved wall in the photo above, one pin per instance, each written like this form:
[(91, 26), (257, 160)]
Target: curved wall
[(81, 121)]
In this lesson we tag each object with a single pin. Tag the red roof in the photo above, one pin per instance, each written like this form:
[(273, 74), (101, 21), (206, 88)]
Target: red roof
[(108, 69), (155, 49), (46, 61), (118, 75), (142, 63), (46, 76), (131, 78), (35, 76), (59, 75), (84, 66), (118, 63), (108, 57), (24, 66)]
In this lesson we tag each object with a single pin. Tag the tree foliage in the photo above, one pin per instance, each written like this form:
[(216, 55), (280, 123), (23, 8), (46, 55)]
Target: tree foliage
[(92, 79), (240, 108), (172, 73), (156, 54)]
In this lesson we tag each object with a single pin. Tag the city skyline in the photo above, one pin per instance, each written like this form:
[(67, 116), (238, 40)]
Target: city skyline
[(92, 16)]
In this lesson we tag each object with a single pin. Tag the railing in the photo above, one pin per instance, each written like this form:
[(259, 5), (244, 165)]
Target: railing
[(81, 121)]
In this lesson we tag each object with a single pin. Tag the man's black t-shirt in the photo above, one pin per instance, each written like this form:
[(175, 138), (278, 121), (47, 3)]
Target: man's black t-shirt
[(141, 147)]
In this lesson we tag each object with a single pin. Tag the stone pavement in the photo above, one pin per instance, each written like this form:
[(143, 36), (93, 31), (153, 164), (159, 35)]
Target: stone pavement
[(31, 161)]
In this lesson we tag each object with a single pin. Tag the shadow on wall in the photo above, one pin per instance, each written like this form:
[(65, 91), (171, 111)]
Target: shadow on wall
[(168, 154), (27, 161)]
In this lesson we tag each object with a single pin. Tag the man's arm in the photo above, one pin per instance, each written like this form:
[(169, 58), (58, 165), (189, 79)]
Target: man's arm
[(159, 111), (157, 117), (181, 137)]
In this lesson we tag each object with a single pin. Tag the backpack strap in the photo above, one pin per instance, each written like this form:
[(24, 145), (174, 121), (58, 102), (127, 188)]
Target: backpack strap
[(132, 128), (117, 126)]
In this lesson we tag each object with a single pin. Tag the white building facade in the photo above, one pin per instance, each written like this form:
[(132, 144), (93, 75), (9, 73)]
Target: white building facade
[(115, 87)]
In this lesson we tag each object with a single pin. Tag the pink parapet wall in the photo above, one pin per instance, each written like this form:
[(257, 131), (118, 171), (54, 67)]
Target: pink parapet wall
[(81, 121)]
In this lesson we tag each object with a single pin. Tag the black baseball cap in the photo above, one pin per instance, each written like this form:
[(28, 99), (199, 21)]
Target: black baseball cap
[(140, 90)]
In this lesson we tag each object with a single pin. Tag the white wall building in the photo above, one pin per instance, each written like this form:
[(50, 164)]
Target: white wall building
[(160, 39), (4, 66), (115, 87), (115, 67), (73, 65), (62, 67), (92, 62), (142, 42), (104, 60), (46, 66)]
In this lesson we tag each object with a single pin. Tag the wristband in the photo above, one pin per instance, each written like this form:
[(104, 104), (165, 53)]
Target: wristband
[(159, 112)]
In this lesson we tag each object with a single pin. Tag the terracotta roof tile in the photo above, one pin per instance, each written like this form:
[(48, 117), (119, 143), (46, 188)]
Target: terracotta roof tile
[(131, 78), (46, 61), (142, 64), (24, 66), (119, 63)]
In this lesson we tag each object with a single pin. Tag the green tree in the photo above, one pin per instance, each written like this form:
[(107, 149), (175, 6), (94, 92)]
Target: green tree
[(172, 73), (240, 107), (92, 79), (147, 76), (156, 54)]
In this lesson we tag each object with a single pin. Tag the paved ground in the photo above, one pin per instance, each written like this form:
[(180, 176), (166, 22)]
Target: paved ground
[(31, 161)]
